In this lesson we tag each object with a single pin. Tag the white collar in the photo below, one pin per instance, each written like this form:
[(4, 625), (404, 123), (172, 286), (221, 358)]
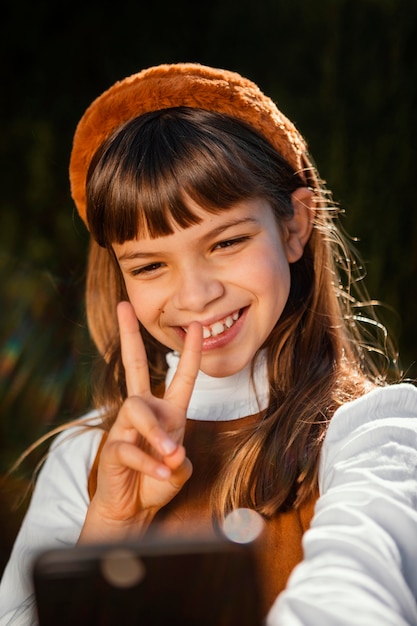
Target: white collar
[(228, 398)]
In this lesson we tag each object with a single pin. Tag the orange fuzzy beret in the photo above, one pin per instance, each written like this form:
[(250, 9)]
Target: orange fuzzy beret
[(182, 84)]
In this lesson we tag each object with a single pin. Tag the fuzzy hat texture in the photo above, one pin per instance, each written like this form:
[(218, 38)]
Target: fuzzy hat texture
[(182, 84)]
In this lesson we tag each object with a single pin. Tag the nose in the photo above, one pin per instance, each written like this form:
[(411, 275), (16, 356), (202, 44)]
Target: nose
[(196, 288)]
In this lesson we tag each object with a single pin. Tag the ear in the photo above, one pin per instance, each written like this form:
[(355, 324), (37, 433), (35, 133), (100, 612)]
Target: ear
[(298, 229)]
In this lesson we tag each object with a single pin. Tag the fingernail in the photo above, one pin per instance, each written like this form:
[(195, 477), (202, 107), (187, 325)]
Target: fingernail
[(163, 472), (168, 446)]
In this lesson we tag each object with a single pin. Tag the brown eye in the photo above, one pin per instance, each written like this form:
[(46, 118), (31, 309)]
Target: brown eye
[(228, 243), (146, 269)]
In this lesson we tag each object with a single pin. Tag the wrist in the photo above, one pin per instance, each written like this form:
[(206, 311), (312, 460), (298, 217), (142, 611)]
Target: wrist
[(100, 528)]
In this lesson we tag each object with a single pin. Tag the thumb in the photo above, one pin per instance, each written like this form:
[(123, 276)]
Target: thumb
[(181, 474)]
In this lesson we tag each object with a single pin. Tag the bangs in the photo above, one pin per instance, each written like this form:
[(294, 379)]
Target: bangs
[(141, 178)]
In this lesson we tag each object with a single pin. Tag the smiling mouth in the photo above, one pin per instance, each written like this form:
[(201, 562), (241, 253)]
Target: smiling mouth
[(219, 327)]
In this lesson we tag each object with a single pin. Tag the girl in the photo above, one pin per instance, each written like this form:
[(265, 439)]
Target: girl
[(234, 371)]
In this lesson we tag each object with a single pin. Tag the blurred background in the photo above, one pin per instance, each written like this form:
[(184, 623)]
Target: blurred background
[(345, 72)]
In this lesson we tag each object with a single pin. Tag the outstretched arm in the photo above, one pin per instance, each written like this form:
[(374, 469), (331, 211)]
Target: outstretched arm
[(360, 554)]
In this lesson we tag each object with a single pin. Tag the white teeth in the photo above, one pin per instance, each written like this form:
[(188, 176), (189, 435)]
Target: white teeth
[(217, 329)]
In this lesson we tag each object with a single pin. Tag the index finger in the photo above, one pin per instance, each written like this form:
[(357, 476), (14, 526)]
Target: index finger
[(182, 385), (134, 357)]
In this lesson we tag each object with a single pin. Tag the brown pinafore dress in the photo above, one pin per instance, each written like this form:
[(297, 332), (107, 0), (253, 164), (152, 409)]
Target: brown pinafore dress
[(277, 550)]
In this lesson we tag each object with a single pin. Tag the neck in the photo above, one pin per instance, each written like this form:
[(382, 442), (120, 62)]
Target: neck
[(228, 398)]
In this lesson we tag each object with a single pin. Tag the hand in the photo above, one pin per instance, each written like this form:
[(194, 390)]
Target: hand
[(143, 463)]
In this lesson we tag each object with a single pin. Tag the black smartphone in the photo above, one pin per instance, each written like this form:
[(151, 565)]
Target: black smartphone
[(148, 583)]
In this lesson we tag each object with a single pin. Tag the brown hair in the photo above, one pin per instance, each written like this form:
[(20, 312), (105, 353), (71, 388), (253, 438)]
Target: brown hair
[(317, 359)]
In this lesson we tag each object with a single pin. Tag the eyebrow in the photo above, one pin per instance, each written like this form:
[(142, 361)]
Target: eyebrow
[(212, 234)]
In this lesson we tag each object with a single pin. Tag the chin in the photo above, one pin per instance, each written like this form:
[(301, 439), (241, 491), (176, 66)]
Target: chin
[(221, 368)]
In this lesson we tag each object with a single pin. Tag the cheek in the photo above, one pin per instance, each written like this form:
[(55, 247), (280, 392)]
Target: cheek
[(147, 303), (273, 293), (269, 274)]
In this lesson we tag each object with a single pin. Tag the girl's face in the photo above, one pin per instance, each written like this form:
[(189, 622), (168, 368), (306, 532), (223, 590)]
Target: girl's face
[(230, 272)]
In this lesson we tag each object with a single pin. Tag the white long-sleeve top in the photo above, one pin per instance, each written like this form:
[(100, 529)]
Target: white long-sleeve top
[(360, 564), (360, 553)]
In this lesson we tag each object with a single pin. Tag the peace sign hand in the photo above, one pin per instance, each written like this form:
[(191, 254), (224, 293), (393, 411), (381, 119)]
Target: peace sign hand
[(143, 463)]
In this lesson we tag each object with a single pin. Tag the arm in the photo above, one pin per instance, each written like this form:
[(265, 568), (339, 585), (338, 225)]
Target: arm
[(54, 518), (130, 487), (360, 554)]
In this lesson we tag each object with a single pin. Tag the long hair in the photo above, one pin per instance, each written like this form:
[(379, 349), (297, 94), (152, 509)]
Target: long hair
[(318, 356)]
